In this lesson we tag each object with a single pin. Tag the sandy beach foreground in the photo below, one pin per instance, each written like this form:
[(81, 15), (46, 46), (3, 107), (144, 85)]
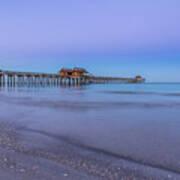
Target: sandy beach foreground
[(28, 154)]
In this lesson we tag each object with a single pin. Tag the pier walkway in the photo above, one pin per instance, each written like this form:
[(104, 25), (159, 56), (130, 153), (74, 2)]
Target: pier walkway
[(13, 78)]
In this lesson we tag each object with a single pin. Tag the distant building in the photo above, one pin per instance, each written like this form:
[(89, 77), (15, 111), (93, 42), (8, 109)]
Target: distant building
[(79, 71), (66, 72), (73, 72), (139, 79)]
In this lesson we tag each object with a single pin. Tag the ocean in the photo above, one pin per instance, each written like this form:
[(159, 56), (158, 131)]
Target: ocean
[(138, 123)]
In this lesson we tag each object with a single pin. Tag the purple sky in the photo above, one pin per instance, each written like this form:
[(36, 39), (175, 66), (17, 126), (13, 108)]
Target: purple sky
[(118, 37)]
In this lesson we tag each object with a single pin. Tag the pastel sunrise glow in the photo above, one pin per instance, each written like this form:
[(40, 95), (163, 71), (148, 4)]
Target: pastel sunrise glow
[(108, 37)]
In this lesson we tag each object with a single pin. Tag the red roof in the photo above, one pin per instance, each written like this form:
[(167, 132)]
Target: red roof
[(138, 77), (82, 70), (66, 70)]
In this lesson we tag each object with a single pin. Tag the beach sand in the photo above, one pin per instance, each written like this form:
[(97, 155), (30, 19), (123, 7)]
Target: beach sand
[(28, 154)]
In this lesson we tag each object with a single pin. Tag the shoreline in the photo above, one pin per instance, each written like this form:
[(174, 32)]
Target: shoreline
[(38, 155)]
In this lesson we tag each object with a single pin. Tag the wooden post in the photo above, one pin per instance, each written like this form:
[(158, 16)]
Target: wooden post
[(32, 77), (40, 79), (61, 80), (8, 79), (85, 81), (27, 80), (55, 81), (11, 80), (14, 80), (73, 79), (18, 80), (35, 80), (4, 81), (0, 79), (81, 80), (58, 81), (64, 81), (23, 80), (69, 81), (49, 79), (77, 81)]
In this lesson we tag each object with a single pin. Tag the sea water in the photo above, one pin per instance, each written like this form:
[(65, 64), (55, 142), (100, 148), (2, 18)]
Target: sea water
[(138, 122)]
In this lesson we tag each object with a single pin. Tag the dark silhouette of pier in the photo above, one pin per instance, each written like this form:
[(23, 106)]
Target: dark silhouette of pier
[(77, 76)]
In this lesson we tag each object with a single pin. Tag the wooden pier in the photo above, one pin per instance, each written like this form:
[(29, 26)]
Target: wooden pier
[(77, 76)]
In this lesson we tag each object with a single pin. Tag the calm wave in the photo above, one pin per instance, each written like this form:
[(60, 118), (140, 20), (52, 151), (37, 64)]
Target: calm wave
[(138, 121)]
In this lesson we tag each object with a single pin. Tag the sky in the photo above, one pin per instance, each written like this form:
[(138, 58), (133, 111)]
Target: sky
[(121, 38)]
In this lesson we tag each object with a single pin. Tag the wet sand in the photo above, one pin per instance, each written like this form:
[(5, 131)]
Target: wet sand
[(28, 154)]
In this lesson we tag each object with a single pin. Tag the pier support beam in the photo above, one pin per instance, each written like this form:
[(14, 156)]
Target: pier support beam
[(11, 80), (14, 80), (4, 79), (1, 80)]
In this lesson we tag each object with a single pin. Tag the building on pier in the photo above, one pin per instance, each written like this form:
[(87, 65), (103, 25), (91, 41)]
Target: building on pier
[(139, 79), (66, 72), (79, 71), (73, 72)]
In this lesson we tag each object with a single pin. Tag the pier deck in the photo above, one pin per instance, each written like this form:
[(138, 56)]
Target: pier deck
[(13, 78)]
